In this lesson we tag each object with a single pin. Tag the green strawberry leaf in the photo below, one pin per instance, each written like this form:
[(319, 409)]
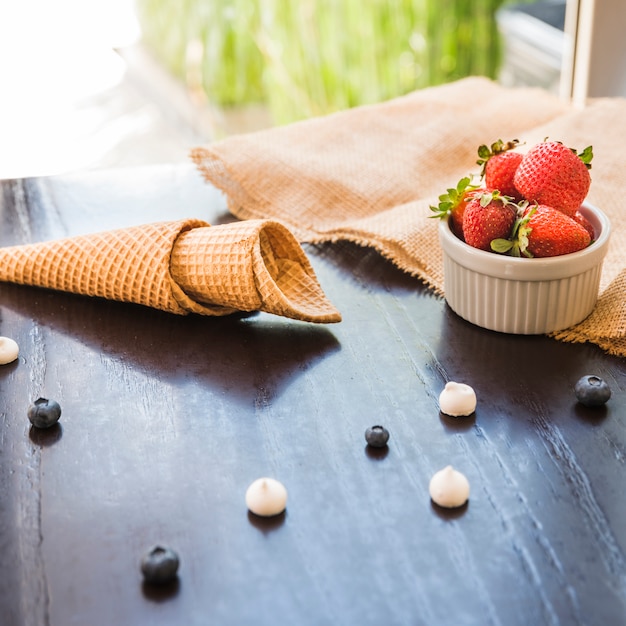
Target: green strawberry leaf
[(501, 246), (486, 198), (586, 155), (464, 184), (450, 200)]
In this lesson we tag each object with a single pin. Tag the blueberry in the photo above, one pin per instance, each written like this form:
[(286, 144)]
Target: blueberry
[(160, 565), (44, 413), (592, 391), (377, 436)]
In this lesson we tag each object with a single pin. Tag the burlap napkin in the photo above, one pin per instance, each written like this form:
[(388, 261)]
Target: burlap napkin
[(368, 175), (180, 267)]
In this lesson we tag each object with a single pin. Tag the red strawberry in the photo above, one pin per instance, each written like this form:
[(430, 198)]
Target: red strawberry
[(452, 204), (542, 232), (499, 166), (487, 216), (552, 233), (554, 175), (583, 221), (500, 171)]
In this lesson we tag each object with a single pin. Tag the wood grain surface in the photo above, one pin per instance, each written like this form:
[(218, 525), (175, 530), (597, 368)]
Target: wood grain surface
[(167, 420)]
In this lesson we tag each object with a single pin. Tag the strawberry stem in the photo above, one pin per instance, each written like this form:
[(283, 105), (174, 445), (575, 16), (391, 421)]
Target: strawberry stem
[(517, 243), (486, 197)]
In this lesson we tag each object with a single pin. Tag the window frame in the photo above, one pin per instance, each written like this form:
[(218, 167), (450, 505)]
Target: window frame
[(594, 55)]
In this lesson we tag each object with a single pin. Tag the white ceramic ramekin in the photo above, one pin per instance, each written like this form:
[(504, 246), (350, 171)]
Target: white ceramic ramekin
[(520, 295)]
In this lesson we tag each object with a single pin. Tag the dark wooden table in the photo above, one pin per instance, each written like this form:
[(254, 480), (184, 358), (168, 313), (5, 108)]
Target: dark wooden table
[(167, 420)]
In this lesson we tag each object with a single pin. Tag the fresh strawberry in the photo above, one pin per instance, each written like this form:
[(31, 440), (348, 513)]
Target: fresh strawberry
[(488, 216), (584, 222), (452, 205), (499, 165), (543, 231), (554, 175), (500, 171)]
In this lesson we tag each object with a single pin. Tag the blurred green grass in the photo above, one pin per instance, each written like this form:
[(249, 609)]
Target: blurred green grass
[(312, 57)]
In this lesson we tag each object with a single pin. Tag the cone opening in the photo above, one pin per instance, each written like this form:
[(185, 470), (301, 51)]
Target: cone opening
[(292, 277)]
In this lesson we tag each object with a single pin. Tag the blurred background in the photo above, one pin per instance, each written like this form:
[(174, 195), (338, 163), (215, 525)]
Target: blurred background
[(110, 83)]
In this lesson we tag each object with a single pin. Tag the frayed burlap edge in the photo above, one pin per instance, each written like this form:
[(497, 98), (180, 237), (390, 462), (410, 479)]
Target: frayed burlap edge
[(609, 312)]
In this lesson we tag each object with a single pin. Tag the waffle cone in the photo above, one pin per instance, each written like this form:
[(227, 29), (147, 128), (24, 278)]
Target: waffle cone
[(180, 267)]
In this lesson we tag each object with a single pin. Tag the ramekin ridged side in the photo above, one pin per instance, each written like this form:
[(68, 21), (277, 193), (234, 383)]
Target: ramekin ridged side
[(517, 306)]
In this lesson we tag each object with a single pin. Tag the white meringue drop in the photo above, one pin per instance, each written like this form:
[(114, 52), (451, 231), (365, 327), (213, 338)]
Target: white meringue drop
[(457, 399), (266, 497), (8, 350), (449, 488)]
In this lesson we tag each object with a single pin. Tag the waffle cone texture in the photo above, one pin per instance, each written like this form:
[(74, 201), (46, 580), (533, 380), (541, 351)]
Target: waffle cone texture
[(181, 267)]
